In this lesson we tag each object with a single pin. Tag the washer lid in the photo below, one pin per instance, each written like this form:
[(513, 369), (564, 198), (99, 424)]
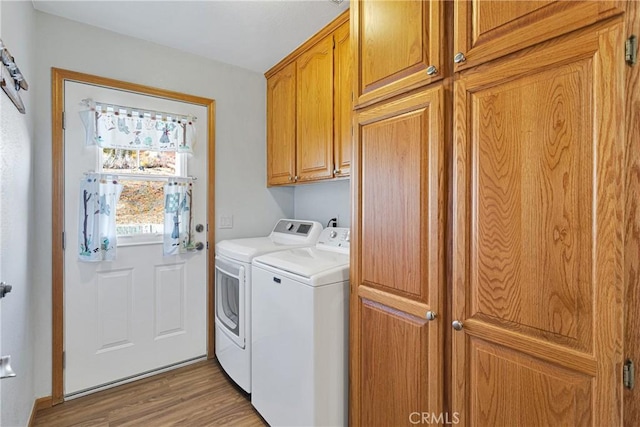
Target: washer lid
[(305, 262), (246, 249)]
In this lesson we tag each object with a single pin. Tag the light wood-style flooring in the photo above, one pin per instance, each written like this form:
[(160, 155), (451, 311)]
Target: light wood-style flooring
[(195, 395)]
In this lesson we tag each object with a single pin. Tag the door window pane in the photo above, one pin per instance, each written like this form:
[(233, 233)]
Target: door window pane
[(140, 209), (141, 162)]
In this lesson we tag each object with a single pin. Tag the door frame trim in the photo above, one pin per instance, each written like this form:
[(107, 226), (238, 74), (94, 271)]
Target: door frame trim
[(58, 78)]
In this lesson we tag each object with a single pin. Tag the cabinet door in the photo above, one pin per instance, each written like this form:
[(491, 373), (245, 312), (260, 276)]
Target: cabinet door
[(537, 235), (395, 43), (281, 126), (397, 267), (485, 30), (314, 151), (342, 101)]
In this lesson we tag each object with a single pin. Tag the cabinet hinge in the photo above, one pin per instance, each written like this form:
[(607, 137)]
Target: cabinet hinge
[(631, 50), (64, 360), (628, 374), (64, 240), (64, 120), (207, 245)]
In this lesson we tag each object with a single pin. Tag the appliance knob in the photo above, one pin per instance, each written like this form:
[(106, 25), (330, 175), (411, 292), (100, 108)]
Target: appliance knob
[(290, 226), (333, 234)]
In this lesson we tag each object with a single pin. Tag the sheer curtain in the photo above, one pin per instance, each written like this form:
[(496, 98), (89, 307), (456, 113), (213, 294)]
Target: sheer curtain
[(177, 217), (97, 239)]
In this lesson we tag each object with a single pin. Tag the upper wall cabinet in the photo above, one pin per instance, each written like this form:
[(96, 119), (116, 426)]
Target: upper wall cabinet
[(314, 149), (309, 109), (342, 93), (398, 46), (281, 126), (485, 30)]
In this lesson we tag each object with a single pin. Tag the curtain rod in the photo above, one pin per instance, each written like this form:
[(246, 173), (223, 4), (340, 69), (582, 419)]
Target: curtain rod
[(88, 102), (137, 177)]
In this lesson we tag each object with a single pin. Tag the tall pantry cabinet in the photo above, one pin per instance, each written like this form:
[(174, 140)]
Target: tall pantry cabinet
[(488, 203)]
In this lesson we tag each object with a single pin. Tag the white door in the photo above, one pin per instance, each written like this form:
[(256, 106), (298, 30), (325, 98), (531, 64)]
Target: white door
[(144, 311)]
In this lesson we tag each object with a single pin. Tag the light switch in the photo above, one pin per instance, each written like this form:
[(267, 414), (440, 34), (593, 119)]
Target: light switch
[(225, 221)]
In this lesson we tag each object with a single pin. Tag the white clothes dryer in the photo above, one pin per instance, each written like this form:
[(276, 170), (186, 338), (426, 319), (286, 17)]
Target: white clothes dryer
[(300, 303), (233, 291)]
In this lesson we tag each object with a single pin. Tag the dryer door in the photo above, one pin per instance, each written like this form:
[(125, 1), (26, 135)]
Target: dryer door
[(230, 300)]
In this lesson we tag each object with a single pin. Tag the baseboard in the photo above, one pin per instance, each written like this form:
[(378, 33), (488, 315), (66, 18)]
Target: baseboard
[(39, 404)]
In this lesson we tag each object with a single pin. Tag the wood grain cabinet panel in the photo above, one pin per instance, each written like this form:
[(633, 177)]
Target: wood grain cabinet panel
[(314, 150), (395, 43), (394, 380), (342, 104), (281, 126), (488, 29), (537, 234), (397, 266)]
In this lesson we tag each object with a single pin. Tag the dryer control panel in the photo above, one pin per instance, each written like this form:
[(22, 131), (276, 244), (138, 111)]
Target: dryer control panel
[(335, 238), (297, 227)]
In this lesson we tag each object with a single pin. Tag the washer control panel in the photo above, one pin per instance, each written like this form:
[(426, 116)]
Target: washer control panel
[(334, 237)]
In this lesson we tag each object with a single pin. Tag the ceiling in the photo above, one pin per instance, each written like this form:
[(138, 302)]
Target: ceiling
[(253, 34)]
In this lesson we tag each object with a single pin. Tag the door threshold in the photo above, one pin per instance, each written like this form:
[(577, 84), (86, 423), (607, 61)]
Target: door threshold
[(133, 378)]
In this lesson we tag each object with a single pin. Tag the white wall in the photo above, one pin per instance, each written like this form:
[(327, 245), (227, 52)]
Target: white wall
[(16, 219), (240, 136), (322, 201)]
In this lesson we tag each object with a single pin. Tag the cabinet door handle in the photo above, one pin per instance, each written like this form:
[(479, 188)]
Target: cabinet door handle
[(457, 325), (336, 171), (431, 315)]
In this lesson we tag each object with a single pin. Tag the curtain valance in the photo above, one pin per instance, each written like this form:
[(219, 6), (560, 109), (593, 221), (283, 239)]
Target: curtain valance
[(110, 126)]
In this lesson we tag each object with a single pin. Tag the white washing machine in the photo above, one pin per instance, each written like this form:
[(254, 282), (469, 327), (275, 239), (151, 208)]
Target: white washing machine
[(300, 304), (233, 291)]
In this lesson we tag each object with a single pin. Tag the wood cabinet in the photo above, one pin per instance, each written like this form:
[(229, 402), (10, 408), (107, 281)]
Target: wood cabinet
[(314, 83), (397, 46), (487, 268), (342, 104), (281, 126), (314, 97), (398, 269), (537, 229), (485, 30)]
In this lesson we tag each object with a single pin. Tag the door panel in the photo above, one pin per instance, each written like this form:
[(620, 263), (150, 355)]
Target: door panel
[(315, 109), (281, 126), (114, 305), (487, 30), (395, 155), (142, 311), (397, 260), (537, 235), (170, 288), (534, 245), (395, 43), (343, 93), (495, 405), (385, 399)]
